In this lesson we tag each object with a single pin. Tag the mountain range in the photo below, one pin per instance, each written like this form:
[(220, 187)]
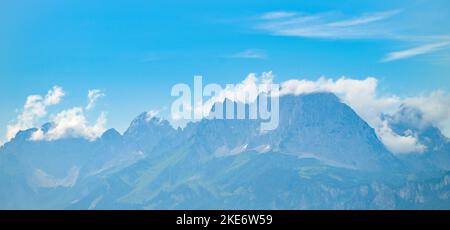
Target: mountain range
[(321, 156)]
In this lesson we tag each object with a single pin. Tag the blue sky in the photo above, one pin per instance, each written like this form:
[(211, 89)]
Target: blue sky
[(135, 51)]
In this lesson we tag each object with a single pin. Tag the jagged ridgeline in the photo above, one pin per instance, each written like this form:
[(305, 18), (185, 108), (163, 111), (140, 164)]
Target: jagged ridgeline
[(321, 156)]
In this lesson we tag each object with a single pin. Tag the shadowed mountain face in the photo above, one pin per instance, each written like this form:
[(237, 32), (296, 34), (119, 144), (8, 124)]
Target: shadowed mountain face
[(321, 156)]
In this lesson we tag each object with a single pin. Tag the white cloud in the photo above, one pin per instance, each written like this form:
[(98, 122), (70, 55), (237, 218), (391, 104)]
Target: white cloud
[(66, 123), (435, 108), (398, 143), (365, 19), (326, 25), (93, 96), (54, 96), (277, 15), (35, 108), (251, 54), (424, 49), (72, 123)]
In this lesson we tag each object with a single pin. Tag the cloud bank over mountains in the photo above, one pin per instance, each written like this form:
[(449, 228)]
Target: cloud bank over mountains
[(360, 95), (70, 122), (363, 97), (35, 108)]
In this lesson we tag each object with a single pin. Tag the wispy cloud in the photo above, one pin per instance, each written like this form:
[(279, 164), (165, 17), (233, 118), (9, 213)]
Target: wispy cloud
[(365, 19), (250, 54), (326, 25), (424, 49), (93, 96), (329, 25), (277, 14), (152, 57)]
